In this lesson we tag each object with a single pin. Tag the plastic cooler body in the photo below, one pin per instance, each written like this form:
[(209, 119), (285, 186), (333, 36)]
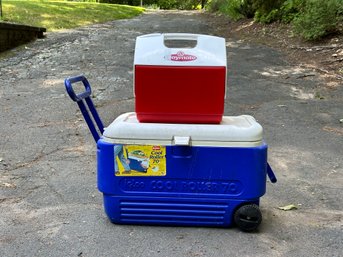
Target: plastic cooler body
[(202, 186), (180, 174), (180, 83), (179, 94)]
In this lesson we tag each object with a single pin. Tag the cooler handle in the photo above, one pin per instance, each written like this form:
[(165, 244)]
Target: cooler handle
[(181, 36), (271, 174), (182, 147), (184, 37), (80, 99)]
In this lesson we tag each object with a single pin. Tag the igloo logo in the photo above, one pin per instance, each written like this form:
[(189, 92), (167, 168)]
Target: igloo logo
[(182, 57)]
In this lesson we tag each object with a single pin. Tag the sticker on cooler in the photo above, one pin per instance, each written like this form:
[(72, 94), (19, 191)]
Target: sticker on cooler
[(181, 56), (140, 160)]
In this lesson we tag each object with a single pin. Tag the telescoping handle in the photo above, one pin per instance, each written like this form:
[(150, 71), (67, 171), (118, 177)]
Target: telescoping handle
[(271, 174), (84, 100)]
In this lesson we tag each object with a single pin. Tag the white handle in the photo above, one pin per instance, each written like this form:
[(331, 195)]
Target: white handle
[(180, 40), (180, 36), (182, 141)]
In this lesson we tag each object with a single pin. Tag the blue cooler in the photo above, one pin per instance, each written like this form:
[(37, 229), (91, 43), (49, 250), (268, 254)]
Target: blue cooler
[(192, 175), (178, 174)]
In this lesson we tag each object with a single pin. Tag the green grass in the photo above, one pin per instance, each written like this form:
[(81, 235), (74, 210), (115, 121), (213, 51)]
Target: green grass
[(56, 15)]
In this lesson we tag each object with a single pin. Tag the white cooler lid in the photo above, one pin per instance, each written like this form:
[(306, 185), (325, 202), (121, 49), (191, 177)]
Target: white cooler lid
[(151, 49), (232, 131)]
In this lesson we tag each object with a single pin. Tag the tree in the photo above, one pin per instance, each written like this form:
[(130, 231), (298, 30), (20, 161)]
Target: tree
[(0, 9)]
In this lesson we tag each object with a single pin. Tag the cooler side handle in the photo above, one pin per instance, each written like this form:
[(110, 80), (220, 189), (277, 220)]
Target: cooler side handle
[(83, 100)]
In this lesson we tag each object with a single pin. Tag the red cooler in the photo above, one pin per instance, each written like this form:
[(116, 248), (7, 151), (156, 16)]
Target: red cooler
[(180, 78)]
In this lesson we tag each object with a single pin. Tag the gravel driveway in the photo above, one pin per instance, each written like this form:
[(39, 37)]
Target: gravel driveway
[(49, 203)]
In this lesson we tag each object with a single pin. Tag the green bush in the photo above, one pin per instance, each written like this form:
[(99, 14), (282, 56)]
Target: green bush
[(237, 9), (179, 4), (270, 17), (189, 4), (312, 19), (266, 6), (85, 1), (247, 8), (229, 7), (290, 9), (126, 2), (168, 4), (268, 11), (318, 18), (163, 4), (214, 5)]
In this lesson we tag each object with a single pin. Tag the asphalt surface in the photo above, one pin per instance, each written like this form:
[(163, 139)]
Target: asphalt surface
[(49, 203)]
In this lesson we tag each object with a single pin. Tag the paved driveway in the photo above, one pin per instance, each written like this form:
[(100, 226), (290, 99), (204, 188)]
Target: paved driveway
[(49, 203)]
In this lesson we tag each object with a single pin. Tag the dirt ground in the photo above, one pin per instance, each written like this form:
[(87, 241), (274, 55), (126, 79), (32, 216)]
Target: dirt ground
[(49, 202)]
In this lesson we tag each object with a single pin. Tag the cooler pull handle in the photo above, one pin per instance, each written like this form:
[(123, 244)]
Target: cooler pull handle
[(271, 174), (180, 40), (81, 98), (180, 36)]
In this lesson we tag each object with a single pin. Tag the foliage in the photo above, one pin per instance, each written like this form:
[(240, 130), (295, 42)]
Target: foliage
[(126, 2), (85, 1), (163, 4), (289, 10), (266, 6), (0, 9), (247, 8), (268, 11), (214, 5), (269, 17), (179, 4), (318, 18), (189, 4), (55, 15), (168, 4), (228, 7), (312, 19)]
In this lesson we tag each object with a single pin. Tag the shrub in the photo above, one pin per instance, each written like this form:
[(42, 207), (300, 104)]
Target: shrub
[(214, 5), (163, 4), (247, 8), (230, 8), (272, 16), (189, 4), (266, 6), (179, 4), (290, 9), (129, 2), (318, 18), (268, 11)]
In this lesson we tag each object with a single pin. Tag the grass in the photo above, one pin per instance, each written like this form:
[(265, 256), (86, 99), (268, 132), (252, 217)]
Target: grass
[(57, 15)]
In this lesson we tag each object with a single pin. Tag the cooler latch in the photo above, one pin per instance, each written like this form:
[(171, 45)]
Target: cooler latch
[(182, 141), (181, 147)]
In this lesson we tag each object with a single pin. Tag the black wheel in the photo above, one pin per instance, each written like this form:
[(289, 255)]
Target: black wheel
[(248, 217)]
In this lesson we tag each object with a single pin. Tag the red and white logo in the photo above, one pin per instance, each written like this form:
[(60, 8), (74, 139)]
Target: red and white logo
[(182, 57), (156, 147)]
